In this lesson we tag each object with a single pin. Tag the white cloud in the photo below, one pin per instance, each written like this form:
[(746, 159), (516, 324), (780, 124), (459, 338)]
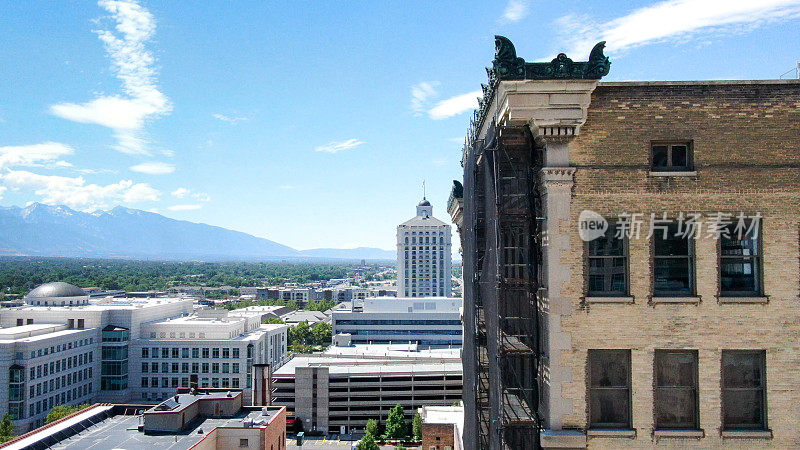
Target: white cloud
[(2, 189), (184, 207), (421, 93), (133, 64), (515, 11), (335, 147), (34, 155), (153, 168), (455, 105), (673, 20), (230, 119), (75, 193), (286, 187), (180, 192), (141, 192), (183, 192)]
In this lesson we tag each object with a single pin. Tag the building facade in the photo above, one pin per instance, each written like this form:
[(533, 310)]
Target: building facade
[(339, 393), (208, 350), (46, 365), (121, 349), (434, 321), (424, 260), (649, 233)]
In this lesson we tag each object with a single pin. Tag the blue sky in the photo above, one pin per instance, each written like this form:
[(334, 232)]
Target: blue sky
[(311, 123)]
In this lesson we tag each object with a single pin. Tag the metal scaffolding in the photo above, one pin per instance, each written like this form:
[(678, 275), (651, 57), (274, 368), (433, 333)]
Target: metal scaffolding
[(503, 252)]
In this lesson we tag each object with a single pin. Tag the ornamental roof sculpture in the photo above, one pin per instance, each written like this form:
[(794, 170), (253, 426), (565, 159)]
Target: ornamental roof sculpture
[(507, 66)]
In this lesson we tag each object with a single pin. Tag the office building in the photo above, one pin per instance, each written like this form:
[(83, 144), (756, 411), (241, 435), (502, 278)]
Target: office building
[(424, 262), (433, 321), (630, 260), (121, 349)]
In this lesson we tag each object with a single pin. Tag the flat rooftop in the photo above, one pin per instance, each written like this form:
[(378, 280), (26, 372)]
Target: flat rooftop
[(37, 332), (179, 402), (370, 366), (103, 304), (120, 432), (394, 350)]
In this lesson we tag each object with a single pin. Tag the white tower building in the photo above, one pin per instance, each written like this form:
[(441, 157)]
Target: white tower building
[(424, 261)]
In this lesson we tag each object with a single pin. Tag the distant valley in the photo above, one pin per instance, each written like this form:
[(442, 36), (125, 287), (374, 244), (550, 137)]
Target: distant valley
[(46, 230)]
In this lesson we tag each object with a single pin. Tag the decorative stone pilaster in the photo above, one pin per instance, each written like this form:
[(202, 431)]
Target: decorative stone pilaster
[(557, 185)]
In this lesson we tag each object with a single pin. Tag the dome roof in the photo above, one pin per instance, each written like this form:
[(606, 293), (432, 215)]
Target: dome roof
[(424, 202), (56, 289)]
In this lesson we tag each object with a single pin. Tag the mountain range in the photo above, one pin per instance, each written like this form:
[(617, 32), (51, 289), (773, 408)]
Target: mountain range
[(46, 230)]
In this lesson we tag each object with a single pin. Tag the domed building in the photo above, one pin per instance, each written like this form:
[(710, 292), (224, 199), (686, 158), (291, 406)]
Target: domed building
[(57, 294)]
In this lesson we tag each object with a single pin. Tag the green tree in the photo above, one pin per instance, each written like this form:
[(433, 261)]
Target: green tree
[(367, 443), (300, 334), (416, 427), (321, 333), (396, 423), (372, 427), (6, 428), (274, 320), (61, 411), (292, 304)]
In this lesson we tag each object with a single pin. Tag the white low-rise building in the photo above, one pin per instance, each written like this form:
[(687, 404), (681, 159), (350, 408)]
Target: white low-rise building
[(108, 348), (211, 349), (45, 365), (430, 322)]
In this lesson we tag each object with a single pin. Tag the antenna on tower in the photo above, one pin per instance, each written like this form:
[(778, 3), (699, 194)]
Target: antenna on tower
[(423, 189)]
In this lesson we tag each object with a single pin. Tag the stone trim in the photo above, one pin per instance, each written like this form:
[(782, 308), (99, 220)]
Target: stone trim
[(562, 439), (611, 433), (621, 299), (673, 174), (688, 434), (689, 299), (558, 175), (761, 299), (746, 434)]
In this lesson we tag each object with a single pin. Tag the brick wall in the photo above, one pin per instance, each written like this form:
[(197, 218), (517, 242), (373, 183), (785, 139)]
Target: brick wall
[(746, 139), (438, 436)]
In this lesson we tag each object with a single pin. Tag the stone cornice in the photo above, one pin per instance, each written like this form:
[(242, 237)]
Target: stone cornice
[(507, 66)]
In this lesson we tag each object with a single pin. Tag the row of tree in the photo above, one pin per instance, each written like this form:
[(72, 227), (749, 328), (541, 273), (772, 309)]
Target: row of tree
[(18, 275), (396, 429)]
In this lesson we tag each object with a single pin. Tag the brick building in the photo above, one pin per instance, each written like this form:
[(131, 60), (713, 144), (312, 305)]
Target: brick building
[(632, 331)]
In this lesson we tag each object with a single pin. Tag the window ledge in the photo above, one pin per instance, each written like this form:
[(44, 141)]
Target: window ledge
[(692, 173), (747, 434), (622, 299), (692, 434), (611, 432), (748, 299), (692, 299)]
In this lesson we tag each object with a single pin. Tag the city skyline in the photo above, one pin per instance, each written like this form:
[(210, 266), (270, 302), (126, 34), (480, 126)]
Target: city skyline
[(226, 116)]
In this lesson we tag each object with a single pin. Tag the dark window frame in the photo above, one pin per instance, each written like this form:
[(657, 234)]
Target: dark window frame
[(764, 425), (695, 389), (625, 257), (692, 257), (671, 167), (590, 387), (758, 262)]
